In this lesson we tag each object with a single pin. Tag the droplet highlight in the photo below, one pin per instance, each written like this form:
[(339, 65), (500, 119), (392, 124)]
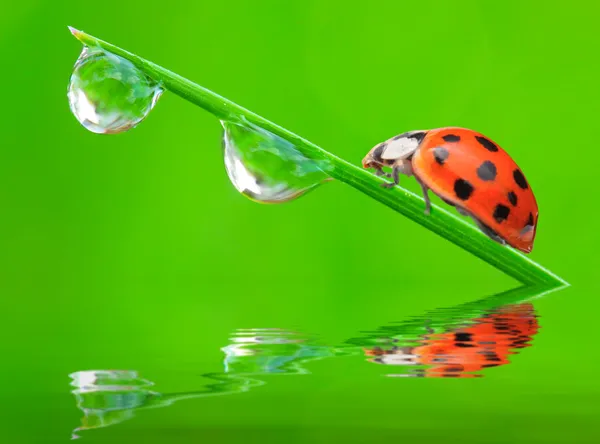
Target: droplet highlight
[(267, 168), (108, 94)]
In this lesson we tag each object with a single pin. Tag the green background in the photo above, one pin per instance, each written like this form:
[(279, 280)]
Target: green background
[(134, 251)]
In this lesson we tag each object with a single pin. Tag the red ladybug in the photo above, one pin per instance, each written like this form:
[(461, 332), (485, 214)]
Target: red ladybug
[(469, 171)]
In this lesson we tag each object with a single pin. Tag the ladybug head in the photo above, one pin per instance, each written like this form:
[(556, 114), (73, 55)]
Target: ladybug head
[(400, 147), (368, 161)]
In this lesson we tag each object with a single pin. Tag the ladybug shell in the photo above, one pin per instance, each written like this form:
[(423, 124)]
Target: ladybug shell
[(471, 171)]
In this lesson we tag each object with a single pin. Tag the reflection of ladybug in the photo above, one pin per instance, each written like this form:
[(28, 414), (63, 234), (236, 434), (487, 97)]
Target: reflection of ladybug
[(460, 352), (469, 171)]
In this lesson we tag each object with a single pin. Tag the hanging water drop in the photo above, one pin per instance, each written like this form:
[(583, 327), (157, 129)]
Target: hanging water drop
[(108, 94), (267, 168)]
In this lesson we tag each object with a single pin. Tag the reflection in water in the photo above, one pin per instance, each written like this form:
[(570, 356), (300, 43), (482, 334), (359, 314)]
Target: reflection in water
[(462, 351), (459, 341), (108, 397), (455, 341), (263, 351)]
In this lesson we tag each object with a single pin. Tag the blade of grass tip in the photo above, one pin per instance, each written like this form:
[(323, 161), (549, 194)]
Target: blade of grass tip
[(441, 222)]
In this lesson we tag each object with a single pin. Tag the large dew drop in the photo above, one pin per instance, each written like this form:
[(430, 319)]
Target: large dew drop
[(108, 94), (267, 168)]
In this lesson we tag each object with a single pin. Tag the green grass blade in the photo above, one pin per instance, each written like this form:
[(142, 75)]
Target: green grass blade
[(441, 222)]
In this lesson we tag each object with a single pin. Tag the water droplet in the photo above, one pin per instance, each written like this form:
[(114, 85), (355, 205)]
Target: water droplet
[(108, 94), (267, 168)]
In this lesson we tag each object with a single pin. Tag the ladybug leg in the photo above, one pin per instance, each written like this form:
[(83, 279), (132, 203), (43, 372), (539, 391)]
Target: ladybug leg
[(379, 172), (395, 175), (401, 166), (425, 189)]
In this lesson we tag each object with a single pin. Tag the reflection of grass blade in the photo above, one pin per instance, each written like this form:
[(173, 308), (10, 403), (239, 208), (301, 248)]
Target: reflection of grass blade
[(443, 319), (410, 205), (225, 384)]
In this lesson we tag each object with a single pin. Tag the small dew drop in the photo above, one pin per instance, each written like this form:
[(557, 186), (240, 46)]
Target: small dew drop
[(266, 168), (108, 94)]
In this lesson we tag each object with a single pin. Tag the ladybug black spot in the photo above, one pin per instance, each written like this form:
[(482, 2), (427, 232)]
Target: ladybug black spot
[(512, 197), (520, 343), (502, 328), (501, 212), (487, 171), (487, 143), (440, 154), (463, 340), (463, 337), (451, 138), (520, 179), (491, 356), (463, 189), (378, 151)]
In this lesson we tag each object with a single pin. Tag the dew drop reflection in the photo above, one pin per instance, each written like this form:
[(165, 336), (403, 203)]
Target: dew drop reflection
[(264, 351), (108, 397)]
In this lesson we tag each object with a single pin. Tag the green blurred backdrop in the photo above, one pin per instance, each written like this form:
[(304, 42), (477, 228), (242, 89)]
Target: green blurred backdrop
[(135, 252)]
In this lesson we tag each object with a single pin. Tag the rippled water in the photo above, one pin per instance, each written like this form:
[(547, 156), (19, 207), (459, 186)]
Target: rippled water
[(463, 341)]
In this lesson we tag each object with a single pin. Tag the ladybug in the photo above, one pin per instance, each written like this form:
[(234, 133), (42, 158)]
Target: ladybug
[(469, 171), (463, 351)]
